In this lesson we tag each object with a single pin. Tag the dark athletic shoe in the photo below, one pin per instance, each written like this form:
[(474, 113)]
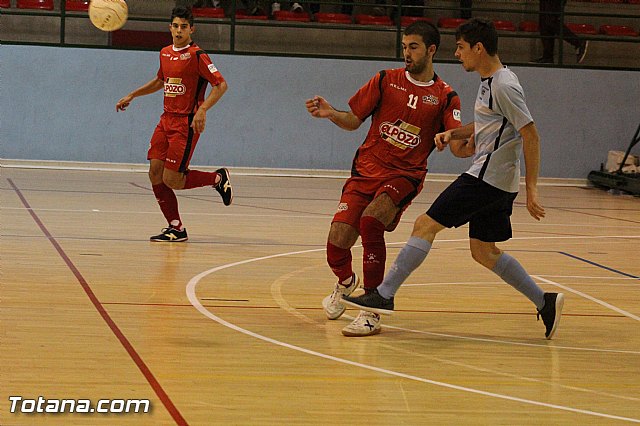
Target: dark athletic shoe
[(171, 235), (224, 186), (551, 312), (371, 301)]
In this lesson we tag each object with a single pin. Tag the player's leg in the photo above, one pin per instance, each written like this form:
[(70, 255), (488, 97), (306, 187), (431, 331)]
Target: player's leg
[(343, 234), (375, 219), (391, 199), (493, 224), (380, 213), (342, 237), (452, 208), (165, 196), (182, 144)]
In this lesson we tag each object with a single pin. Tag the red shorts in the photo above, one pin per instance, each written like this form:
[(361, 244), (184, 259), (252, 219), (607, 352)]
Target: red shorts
[(358, 192), (173, 141)]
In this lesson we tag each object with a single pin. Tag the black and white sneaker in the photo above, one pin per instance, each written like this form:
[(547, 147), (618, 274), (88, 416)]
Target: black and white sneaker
[(371, 301), (171, 235), (551, 312), (224, 186)]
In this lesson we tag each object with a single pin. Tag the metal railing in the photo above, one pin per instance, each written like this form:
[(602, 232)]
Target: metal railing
[(232, 24)]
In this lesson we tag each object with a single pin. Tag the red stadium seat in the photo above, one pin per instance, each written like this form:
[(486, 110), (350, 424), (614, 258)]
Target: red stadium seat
[(450, 22), (76, 5), (208, 12), (5, 4), (285, 15), (35, 4), (405, 21), (529, 27), (373, 20), (332, 18), (582, 28), (618, 30), (504, 25)]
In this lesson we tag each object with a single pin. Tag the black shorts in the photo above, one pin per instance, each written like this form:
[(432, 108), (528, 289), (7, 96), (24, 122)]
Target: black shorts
[(486, 208)]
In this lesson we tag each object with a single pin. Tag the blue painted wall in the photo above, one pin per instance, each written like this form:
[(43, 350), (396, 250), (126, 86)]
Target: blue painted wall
[(59, 104)]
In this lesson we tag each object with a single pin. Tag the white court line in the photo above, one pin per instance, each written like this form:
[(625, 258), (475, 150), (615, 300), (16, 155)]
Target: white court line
[(586, 296), (586, 277), (193, 299), (276, 293)]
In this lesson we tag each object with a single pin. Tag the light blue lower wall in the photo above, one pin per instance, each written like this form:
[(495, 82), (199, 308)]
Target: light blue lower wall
[(59, 104)]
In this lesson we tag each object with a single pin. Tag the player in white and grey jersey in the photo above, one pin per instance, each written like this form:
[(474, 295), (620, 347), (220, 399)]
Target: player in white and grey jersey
[(484, 195), (500, 110)]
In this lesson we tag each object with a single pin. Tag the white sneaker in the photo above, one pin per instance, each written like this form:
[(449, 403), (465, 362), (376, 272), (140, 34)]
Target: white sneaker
[(297, 7), (332, 304), (365, 324)]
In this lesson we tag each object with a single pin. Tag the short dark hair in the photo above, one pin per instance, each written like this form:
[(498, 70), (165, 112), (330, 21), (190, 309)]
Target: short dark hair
[(183, 13), (429, 33), (477, 30)]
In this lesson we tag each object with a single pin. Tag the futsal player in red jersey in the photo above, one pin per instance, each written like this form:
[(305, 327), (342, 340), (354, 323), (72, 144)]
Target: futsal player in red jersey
[(185, 70), (407, 106)]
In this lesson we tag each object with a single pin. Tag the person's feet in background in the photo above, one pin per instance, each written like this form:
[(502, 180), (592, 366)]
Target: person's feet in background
[(581, 51)]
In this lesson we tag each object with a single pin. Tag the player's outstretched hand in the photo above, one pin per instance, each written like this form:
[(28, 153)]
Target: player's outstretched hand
[(442, 140), (318, 107), (124, 103)]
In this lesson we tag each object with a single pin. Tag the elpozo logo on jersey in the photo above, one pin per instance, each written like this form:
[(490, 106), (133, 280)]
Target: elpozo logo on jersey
[(400, 134), (173, 87)]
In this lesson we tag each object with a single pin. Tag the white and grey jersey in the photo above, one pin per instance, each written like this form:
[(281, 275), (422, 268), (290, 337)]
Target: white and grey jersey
[(500, 111)]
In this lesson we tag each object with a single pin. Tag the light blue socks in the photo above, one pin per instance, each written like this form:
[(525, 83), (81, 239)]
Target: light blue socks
[(514, 274), (409, 258)]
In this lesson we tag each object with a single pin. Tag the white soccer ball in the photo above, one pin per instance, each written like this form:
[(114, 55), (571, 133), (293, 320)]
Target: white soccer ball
[(108, 15)]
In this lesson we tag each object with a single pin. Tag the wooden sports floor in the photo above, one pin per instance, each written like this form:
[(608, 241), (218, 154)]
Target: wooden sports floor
[(228, 329)]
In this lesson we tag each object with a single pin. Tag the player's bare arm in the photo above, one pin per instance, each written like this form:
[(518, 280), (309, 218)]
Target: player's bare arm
[(200, 117), (151, 87), (443, 139), (531, 149), (463, 148), (318, 107)]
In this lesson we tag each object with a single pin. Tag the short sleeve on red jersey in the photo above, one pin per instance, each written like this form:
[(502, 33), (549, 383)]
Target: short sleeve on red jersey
[(452, 117), (366, 98), (208, 70)]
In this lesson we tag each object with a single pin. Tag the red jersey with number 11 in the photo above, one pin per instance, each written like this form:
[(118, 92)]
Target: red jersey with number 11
[(405, 115), (185, 73)]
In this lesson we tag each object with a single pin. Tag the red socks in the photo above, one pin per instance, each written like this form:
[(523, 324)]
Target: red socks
[(197, 179), (339, 260), (374, 253), (168, 203)]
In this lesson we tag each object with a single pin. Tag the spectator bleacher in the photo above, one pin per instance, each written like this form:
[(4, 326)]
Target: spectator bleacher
[(611, 26)]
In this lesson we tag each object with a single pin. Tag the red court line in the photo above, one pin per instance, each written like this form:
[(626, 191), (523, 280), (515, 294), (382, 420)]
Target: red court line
[(155, 385)]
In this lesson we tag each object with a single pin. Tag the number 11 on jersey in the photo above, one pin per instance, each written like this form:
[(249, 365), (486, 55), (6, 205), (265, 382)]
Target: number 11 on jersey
[(413, 101)]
